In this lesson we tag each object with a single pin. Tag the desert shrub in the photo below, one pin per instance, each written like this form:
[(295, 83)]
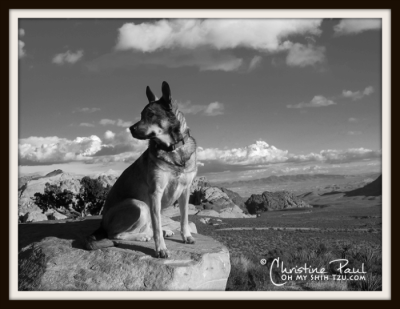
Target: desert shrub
[(91, 196), (53, 198), (89, 200)]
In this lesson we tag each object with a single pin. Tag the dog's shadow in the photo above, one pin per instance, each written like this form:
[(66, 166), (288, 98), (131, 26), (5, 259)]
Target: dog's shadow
[(75, 230)]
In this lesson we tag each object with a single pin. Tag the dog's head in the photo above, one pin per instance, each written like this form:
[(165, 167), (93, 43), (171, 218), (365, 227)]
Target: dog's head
[(158, 120)]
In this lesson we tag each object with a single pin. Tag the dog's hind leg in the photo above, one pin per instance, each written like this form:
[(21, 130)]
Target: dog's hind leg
[(183, 206), (129, 220)]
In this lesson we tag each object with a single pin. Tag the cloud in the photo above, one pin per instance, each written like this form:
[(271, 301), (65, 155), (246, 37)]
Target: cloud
[(258, 34), (357, 95), (260, 153), (355, 26), (21, 51), (209, 44), (121, 147), (118, 122), (21, 32), (212, 109), (86, 124), (204, 59), (317, 101), (255, 62), (86, 110), (68, 57), (304, 55), (52, 150), (109, 135)]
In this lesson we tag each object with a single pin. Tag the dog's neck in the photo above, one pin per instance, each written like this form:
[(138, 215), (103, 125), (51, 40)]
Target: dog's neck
[(180, 158), (175, 145)]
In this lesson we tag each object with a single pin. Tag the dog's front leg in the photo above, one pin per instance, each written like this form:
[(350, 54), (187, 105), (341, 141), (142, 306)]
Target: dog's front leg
[(155, 212), (184, 207)]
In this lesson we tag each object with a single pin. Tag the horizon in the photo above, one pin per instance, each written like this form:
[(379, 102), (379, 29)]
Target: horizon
[(261, 97)]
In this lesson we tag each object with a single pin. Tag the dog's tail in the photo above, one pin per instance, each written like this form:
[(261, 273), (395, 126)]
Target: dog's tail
[(98, 240)]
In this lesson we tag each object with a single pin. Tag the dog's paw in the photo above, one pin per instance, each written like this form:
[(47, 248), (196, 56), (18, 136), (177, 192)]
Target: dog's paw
[(168, 233), (188, 239), (162, 253), (144, 238)]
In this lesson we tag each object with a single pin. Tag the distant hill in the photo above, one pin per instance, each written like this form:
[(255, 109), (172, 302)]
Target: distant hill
[(372, 189), (282, 179)]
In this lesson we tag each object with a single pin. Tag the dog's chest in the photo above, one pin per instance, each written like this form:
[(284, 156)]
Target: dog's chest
[(175, 187)]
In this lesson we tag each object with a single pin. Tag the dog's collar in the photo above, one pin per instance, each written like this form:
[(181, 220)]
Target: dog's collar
[(176, 145)]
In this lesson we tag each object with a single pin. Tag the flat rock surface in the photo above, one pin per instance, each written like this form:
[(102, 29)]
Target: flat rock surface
[(52, 258)]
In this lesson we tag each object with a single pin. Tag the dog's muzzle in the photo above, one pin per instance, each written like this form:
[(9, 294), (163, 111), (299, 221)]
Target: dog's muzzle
[(138, 132)]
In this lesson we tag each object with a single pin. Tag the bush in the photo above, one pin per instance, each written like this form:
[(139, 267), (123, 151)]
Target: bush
[(89, 200)]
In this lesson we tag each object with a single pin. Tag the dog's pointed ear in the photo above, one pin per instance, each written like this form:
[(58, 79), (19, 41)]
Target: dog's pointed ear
[(166, 92), (150, 95)]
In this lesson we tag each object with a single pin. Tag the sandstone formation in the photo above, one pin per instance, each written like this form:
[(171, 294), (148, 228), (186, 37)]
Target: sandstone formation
[(268, 201), (52, 258)]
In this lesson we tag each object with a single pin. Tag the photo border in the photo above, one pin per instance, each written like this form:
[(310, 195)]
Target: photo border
[(385, 14)]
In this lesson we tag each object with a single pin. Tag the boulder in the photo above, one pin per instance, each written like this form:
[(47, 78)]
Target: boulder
[(172, 225), (174, 211), (56, 216), (208, 213), (274, 201), (51, 258), (34, 216), (235, 197)]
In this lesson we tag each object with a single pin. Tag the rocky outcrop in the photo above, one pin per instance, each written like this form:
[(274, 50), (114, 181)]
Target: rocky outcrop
[(51, 258), (58, 177), (174, 211), (268, 201), (372, 189), (216, 201), (235, 197)]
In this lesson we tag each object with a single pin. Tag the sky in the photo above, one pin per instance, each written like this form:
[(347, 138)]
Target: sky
[(261, 96)]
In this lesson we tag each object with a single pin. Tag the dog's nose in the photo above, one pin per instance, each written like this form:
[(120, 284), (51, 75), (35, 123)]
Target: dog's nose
[(133, 128)]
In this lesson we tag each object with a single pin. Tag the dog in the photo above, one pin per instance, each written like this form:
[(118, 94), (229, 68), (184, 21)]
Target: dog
[(159, 177)]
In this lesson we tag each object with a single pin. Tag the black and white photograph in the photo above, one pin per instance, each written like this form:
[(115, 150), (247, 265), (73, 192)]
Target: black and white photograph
[(217, 154)]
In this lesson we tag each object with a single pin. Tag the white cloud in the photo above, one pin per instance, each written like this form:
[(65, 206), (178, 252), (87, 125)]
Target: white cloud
[(21, 51), (50, 150), (109, 135), (21, 32), (68, 57), (118, 122), (357, 95), (255, 62), (317, 101), (86, 109), (86, 124), (261, 153), (257, 153), (304, 55), (121, 147), (354, 26), (204, 59), (212, 109), (258, 34), (209, 44)]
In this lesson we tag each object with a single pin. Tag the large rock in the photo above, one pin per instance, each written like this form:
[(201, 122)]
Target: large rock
[(51, 258), (274, 201), (235, 197), (174, 211), (33, 216), (64, 180)]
